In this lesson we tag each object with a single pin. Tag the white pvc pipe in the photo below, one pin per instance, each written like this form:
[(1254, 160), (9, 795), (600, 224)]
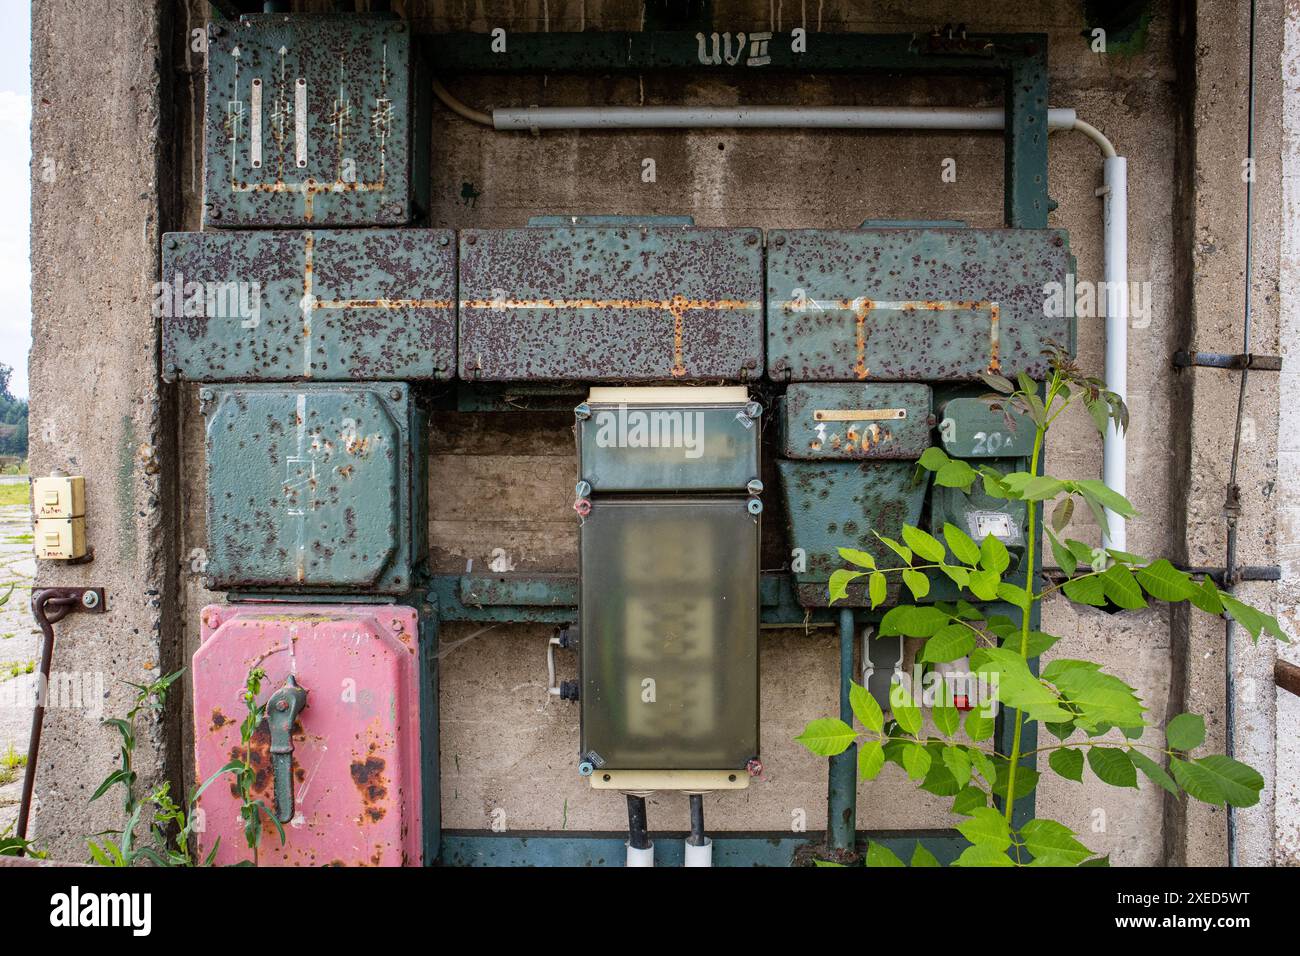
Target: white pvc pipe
[(699, 855), (637, 857), (1115, 250), (751, 117)]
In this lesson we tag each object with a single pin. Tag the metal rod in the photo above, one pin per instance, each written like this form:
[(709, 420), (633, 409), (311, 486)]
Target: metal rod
[(842, 792), (62, 602), (638, 837), (1287, 676), (697, 837)]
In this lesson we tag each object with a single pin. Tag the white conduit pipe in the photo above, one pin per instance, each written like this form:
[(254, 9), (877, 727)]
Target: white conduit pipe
[(1114, 195), (760, 117)]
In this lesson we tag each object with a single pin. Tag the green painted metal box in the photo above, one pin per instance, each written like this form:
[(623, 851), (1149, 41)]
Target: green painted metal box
[(669, 612), (840, 504), (849, 422), (969, 428), (332, 305), (634, 303), (907, 304), (314, 488), (313, 120), (670, 448), (980, 515)]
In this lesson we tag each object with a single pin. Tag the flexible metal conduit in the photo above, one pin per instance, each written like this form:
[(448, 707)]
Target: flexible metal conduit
[(1113, 192)]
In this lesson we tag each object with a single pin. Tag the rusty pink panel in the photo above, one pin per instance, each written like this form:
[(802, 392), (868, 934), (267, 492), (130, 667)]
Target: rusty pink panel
[(356, 743)]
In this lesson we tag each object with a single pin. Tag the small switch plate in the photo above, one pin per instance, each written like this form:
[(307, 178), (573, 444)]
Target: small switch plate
[(59, 496), (60, 539)]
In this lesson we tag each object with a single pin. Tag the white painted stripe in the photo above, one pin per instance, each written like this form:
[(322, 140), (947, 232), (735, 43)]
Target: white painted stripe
[(255, 126), (300, 120)]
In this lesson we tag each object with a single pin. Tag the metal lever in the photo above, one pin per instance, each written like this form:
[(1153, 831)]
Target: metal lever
[(281, 711), (49, 606)]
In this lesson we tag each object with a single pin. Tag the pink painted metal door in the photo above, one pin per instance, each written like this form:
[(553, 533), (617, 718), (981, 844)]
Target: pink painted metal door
[(355, 760)]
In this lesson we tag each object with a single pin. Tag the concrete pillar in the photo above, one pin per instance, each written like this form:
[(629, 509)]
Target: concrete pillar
[(1213, 229), (100, 173)]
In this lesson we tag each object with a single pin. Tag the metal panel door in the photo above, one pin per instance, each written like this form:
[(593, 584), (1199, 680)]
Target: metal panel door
[(669, 634), (312, 488), (609, 304), (912, 304), (308, 121), (353, 775), (330, 305)]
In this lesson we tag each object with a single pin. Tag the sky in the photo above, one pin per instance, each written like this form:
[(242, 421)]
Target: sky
[(15, 190)]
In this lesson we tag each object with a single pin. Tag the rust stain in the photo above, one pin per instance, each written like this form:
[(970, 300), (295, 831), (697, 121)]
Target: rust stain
[(219, 719), (368, 775)]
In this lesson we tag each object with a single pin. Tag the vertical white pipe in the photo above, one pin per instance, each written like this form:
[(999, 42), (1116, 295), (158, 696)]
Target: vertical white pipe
[(1115, 226)]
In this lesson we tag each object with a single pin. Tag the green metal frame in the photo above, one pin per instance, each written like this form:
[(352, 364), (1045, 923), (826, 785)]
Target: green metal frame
[(1020, 60)]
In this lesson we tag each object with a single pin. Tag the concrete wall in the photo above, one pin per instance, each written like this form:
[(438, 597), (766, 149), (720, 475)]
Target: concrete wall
[(1175, 108)]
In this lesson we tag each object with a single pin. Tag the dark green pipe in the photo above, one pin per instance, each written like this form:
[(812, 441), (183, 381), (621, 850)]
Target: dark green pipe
[(841, 803)]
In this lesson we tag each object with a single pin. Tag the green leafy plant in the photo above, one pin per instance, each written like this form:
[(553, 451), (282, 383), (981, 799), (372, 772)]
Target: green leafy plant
[(1096, 718), (251, 808), (151, 699), (11, 845), (173, 826)]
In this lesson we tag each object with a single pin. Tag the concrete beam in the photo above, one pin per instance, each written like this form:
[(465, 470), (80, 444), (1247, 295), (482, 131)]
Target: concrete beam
[(99, 152)]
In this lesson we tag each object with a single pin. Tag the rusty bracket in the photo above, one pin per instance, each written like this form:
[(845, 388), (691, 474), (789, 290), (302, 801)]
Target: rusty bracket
[(49, 606), (1287, 676), (1249, 360)]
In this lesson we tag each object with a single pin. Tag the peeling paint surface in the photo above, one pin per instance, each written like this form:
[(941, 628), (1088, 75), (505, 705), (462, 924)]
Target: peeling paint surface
[(850, 422), (355, 766), (311, 488), (911, 304), (373, 304), (607, 304), (308, 122)]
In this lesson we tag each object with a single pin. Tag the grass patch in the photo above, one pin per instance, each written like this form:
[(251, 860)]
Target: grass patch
[(15, 493), (25, 538), (16, 669), (10, 765)]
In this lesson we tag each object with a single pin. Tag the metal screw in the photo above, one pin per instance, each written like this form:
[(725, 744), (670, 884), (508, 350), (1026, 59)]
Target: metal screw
[(89, 599), (779, 241), (753, 409), (205, 395), (471, 240), (214, 213), (751, 241), (395, 394), (755, 507), (583, 412), (444, 239), (582, 489), (169, 369), (755, 487), (170, 243)]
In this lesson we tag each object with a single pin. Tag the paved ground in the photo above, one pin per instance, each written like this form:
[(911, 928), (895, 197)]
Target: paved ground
[(19, 647)]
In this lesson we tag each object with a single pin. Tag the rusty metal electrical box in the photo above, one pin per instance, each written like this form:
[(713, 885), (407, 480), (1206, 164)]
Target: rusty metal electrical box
[(836, 422), (314, 488), (611, 303), (910, 304), (370, 304), (345, 757), (313, 121)]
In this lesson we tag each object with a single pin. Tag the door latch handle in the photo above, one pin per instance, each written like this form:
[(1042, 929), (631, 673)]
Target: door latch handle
[(281, 711)]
